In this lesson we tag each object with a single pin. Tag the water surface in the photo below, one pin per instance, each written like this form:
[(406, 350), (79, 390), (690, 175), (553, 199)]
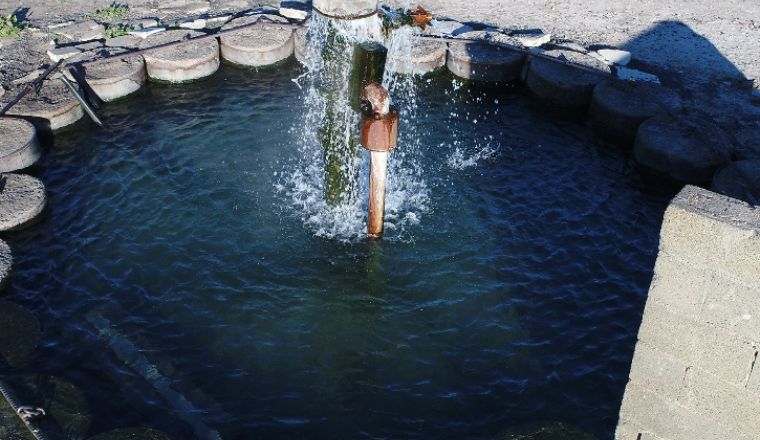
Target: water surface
[(508, 291)]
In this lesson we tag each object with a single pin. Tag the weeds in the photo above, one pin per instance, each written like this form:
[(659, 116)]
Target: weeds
[(10, 26), (118, 31), (113, 12)]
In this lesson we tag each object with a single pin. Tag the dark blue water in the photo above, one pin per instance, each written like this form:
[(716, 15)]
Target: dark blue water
[(514, 300)]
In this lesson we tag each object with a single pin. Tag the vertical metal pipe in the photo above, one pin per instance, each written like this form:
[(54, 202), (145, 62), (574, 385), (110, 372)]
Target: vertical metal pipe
[(378, 173), (379, 136)]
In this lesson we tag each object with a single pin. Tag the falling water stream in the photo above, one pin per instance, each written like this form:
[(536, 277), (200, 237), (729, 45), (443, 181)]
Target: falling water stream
[(303, 179)]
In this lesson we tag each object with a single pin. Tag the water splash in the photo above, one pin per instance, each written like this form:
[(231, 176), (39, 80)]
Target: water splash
[(302, 182)]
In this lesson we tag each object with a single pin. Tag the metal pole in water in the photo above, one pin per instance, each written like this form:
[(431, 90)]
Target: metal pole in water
[(379, 135), (378, 173), (82, 101)]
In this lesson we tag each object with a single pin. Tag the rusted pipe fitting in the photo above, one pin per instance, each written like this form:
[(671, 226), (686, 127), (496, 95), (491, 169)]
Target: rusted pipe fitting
[(380, 132)]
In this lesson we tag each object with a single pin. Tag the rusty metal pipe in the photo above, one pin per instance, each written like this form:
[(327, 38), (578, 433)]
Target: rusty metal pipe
[(379, 135), (378, 175)]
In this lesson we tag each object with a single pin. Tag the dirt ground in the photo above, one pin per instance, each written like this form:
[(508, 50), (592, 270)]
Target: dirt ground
[(718, 37), (708, 49)]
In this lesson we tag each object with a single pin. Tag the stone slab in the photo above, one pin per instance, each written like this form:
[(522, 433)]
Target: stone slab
[(116, 78), (22, 200), (54, 108), (686, 149), (19, 146), (180, 62), (257, 45), (62, 53), (82, 31)]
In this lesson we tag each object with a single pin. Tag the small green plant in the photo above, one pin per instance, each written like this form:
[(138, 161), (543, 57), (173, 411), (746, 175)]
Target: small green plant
[(113, 12), (10, 26), (117, 31)]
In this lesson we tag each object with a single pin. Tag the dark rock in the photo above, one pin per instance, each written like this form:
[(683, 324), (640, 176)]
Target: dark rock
[(20, 333), (619, 107), (740, 180), (688, 149)]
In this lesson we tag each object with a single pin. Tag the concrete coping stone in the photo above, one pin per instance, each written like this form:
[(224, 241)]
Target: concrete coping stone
[(54, 108), (181, 62), (740, 180), (22, 200), (19, 147), (423, 57), (256, 45), (687, 149), (6, 264), (717, 207)]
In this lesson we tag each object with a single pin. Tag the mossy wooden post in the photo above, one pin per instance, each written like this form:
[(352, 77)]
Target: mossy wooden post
[(338, 133), (367, 66)]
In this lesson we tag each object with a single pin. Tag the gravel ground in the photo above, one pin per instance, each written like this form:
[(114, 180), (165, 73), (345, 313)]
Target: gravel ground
[(706, 49), (696, 36)]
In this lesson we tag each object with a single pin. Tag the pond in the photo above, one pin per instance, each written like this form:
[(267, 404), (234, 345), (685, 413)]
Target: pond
[(187, 279)]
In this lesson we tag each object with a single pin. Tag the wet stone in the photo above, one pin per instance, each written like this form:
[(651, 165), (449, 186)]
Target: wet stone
[(296, 10), (423, 57), (740, 180), (132, 434), (22, 200), (688, 149), (19, 147), (6, 264), (257, 45), (64, 403), (181, 62), (300, 44), (563, 85), (11, 427), (619, 107), (345, 8), (20, 334), (55, 107)]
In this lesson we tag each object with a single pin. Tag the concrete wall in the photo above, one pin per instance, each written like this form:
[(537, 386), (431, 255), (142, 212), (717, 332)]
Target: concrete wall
[(695, 372)]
